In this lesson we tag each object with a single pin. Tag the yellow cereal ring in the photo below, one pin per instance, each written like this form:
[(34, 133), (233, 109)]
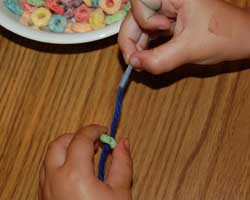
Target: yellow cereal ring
[(110, 6), (88, 3), (96, 19), (81, 27), (41, 17), (25, 19)]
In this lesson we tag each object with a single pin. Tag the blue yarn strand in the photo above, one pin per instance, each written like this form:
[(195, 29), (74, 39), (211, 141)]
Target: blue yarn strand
[(117, 113)]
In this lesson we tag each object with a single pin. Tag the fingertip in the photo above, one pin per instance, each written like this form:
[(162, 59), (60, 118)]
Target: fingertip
[(121, 169), (135, 62), (122, 147)]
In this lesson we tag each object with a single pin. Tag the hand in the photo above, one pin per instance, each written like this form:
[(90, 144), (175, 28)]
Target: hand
[(68, 170), (204, 32)]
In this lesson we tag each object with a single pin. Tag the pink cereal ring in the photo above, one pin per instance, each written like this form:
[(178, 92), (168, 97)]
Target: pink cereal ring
[(26, 6), (54, 6), (110, 6), (81, 27), (82, 14)]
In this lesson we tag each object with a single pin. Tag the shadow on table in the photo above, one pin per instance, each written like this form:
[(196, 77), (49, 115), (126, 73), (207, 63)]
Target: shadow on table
[(190, 70), (57, 48)]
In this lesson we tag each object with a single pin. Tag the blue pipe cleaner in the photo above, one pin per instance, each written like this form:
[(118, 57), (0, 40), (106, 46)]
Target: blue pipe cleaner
[(106, 148)]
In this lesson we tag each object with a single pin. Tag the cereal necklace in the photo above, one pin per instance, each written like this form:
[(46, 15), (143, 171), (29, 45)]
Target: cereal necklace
[(109, 140)]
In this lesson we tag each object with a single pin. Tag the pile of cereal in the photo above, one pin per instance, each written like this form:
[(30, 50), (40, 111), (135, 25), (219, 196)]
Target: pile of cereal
[(69, 16)]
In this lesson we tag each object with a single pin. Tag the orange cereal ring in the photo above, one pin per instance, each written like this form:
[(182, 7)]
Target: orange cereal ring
[(110, 6), (80, 27), (25, 19), (68, 28)]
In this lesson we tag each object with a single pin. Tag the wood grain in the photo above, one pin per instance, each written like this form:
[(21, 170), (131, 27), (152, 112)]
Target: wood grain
[(189, 130)]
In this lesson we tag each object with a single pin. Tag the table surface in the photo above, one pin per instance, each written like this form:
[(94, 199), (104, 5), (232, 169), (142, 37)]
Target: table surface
[(189, 129)]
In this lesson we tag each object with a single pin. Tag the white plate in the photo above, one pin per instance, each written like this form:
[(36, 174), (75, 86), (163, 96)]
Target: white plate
[(10, 21)]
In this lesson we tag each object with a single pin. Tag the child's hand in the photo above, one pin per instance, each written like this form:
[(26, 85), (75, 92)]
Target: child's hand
[(205, 32), (68, 171)]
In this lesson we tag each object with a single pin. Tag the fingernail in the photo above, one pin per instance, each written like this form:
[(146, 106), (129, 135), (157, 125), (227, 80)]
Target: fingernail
[(135, 62), (126, 144)]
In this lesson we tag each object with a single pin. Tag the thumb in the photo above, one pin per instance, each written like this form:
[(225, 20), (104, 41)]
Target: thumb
[(163, 58), (121, 169)]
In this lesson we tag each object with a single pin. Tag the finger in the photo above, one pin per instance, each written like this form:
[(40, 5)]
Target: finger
[(161, 59), (121, 170), (56, 153), (142, 43), (128, 36), (81, 150), (147, 16)]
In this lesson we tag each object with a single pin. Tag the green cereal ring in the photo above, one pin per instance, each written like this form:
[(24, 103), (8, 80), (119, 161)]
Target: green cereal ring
[(127, 7), (13, 6), (108, 140), (116, 17), (37, 3)]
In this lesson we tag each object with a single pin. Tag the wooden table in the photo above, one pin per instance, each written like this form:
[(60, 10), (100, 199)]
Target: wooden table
[(189, 130)]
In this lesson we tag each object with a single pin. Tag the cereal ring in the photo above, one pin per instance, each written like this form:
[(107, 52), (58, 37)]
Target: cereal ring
[(25, 19), (57, 23), (71, 3), (37, 3), (35, 27), (96, 19), (68, 28), (54, 6), (25, 6), (88, 3), (81, 27), (13, 6), (69, 13), (110, 6), (127, 7), (40, 17), (116, 17), (124, 1), (82, 14), (95, 3), (107, 139)]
